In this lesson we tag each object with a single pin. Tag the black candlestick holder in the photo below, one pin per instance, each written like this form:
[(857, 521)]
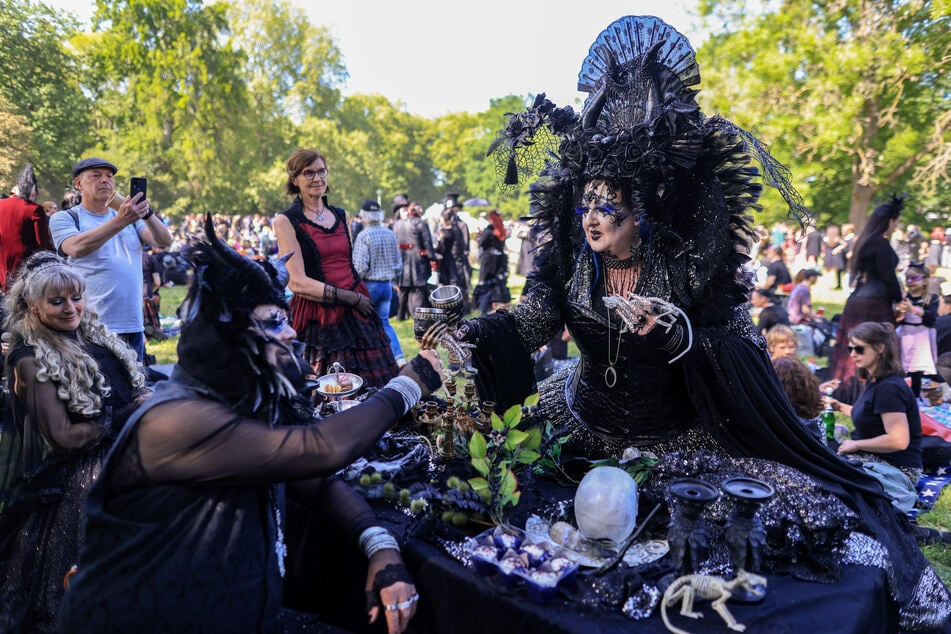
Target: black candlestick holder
[(744, 533), (687, 533)]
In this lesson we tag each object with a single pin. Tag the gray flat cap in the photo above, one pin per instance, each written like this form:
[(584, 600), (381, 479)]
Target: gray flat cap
[(90, 163)]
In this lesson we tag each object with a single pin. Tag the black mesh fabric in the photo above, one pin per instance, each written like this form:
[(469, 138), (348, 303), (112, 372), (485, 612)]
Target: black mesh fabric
[(181, 530)]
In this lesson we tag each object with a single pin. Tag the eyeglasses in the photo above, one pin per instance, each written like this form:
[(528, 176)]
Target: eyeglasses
[(314, 174), (856, 349)]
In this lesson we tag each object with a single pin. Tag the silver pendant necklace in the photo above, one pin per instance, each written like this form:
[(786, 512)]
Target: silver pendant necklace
[(610, 374), (318, 215)]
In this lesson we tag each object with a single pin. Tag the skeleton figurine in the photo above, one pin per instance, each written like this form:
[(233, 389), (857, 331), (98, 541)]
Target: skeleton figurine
[(642, 314), (691, 587)]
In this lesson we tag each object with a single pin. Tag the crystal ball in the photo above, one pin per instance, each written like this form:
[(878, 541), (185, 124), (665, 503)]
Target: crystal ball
[(606, 504)]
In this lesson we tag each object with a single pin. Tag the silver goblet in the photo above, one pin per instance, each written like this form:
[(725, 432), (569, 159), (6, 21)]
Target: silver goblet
[(423, 320), (449, 299)]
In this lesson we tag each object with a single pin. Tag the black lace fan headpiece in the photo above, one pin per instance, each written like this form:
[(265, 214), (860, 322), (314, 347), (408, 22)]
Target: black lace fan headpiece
[(227, 286), (687, 177), (640, 123)]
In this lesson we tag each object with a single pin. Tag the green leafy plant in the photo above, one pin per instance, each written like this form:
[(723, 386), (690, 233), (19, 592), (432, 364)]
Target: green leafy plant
[(499, 454), (553, 440), (501, 458), (639, 466)]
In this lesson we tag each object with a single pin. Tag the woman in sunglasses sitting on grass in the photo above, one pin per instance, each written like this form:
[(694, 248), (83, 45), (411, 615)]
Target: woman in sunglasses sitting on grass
[(885, 415)]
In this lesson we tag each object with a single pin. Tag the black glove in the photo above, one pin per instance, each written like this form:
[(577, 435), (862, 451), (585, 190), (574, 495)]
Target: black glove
[(361, 303)]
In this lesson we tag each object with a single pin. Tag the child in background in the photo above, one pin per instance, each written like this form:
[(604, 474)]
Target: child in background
[(781, 341), (916, 315)]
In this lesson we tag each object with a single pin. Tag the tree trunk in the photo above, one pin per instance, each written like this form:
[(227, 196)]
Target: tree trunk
[(858, 207)]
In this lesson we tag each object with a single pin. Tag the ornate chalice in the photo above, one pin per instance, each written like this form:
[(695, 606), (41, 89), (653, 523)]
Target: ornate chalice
[(449, 299), (423, 320)]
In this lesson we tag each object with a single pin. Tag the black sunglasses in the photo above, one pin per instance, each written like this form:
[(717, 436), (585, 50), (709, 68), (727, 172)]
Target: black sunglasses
[(856, 349)]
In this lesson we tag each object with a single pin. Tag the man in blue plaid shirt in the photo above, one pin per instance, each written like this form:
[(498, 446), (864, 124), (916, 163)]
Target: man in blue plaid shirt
[(378, 261)]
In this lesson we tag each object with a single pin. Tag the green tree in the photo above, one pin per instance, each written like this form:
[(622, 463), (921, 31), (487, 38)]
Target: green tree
[(372, 145), (168, 86), (15, 134), (852, 94), (38, 78), (459, 146), (286, 85)]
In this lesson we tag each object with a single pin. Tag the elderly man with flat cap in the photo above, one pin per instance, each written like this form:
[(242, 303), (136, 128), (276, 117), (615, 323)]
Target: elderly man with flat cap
[(102, 236)]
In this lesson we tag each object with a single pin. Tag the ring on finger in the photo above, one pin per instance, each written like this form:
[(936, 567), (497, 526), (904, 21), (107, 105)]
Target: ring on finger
[(405, 604)]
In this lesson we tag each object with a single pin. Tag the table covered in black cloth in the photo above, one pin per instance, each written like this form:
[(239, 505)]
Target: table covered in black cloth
[(454, 599)]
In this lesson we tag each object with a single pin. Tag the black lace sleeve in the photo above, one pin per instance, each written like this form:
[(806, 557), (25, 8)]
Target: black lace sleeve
[(196, 440), (48, 412)]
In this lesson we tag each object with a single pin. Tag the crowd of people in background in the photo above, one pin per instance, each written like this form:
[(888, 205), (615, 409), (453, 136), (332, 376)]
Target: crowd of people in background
[(349, 274), (888, 274)]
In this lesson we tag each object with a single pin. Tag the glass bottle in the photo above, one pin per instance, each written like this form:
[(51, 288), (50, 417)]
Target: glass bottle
[(828, 420)]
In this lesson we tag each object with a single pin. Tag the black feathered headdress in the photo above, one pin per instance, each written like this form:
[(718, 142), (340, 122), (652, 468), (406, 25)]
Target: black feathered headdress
[(227, 286), (893, 207), (26, 183), (218, 347), (688, 177)]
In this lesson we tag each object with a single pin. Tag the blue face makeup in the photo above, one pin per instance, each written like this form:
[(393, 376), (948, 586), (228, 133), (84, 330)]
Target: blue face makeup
[(602, 206), (274, 324)]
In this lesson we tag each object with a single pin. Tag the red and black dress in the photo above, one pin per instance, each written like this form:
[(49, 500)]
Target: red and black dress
[(334, 332)]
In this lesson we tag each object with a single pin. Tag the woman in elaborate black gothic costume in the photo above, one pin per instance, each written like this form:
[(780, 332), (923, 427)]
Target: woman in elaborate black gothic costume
[(72, 386), (877, 291), (493, 265), (645, 208), (184, 526)]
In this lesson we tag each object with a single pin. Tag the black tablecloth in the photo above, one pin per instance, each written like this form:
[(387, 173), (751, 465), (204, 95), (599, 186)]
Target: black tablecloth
[(453, 599)]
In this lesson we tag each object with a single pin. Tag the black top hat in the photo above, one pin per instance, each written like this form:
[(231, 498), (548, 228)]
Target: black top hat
[(451, 200), (400, 201)]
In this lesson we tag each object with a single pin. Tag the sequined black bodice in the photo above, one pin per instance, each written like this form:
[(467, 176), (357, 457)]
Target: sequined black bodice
[(638, 408)]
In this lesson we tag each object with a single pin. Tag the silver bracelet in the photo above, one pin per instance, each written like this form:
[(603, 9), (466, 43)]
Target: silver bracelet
[(377, 538), (673, 343), (407, 388)]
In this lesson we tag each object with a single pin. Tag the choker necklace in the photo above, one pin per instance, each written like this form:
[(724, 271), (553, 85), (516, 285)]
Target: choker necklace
[(611, 262), (620, 276), (610, 374)]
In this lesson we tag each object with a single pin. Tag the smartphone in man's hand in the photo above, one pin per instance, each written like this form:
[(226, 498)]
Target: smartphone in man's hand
[(139, 184)]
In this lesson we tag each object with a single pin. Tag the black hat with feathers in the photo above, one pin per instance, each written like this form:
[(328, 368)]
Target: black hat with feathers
[(217, 346), (228, 286)]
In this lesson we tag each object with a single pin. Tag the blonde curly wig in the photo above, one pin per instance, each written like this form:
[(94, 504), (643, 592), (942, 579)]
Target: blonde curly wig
[(60, 356)]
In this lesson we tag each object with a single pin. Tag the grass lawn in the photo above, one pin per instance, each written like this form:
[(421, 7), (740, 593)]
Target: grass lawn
[(833, 302)]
